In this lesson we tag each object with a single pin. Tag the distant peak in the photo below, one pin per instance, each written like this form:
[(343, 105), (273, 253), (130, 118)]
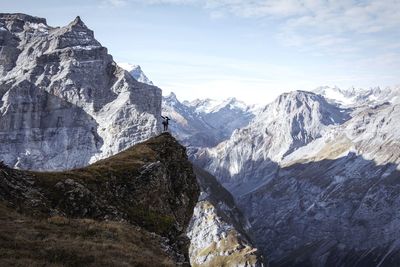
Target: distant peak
[(299, 97), (77, 22), (171, 99), (136, 72), (231, 100), (172, 95), (296, 94)]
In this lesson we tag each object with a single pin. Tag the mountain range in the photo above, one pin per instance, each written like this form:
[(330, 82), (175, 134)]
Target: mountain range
[(319, 187), (66, 104), (205, 123), (310, 179)]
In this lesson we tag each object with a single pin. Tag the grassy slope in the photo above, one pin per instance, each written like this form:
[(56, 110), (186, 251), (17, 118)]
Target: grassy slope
[(33, 237), (59, 241)]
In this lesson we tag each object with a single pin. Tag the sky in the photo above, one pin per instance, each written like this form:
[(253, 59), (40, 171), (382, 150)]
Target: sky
[(253, 50)]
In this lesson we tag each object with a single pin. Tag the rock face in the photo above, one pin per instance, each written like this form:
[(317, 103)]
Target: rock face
[(319, 184), (205, 123), (64, 102), (151, 186), (217, 234)]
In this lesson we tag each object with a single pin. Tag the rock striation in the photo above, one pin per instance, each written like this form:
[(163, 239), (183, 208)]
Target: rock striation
[(64, 102)]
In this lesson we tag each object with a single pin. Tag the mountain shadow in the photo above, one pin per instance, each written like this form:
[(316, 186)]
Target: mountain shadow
[(41, 131), (333, 212)]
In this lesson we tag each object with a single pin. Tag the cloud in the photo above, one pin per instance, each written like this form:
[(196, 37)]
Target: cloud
[(339, 15), (356, 36), (323, 24), (114, 3)]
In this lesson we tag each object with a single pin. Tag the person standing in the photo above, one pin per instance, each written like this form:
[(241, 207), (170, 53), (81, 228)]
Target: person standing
[(165, 122)]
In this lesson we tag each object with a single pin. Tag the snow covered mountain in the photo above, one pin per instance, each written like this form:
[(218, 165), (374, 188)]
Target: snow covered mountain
[(205, 123), (319, 184), (315, 174), (136, 72), (290, 122), (358, 97), (64, 102)]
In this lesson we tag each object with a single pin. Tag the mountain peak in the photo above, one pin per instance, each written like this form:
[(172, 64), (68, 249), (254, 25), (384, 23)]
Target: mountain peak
[(171, 99), (136, 72), (77, 22), (172, 96), (297, 98)]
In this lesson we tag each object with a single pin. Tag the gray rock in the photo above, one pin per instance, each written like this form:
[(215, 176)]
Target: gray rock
[(319, 184), (64, 102)]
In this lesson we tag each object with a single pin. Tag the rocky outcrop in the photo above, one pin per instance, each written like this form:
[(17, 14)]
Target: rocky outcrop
[(150, 186), (218, 231), (64, 102)]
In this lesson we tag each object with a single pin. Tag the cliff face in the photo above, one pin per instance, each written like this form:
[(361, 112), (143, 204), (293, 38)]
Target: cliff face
[(218, 231), (64, 102), (141, 199)]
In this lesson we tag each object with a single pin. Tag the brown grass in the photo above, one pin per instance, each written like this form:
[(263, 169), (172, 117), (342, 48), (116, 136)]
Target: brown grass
[(59, 241)]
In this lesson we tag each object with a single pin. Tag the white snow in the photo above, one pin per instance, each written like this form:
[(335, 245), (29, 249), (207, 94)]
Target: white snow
[(86, 47), (38, 26)]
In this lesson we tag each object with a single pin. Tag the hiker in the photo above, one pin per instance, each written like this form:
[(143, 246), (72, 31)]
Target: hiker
[(165, 122)]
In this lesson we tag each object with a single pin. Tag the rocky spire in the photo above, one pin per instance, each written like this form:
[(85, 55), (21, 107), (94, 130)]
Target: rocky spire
[(77, 22)]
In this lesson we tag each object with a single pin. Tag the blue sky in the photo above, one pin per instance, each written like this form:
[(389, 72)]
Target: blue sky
[(253, 50)]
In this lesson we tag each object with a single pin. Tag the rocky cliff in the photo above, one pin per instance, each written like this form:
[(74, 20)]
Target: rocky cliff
[(218, 232), (130, 209), (64, 102)]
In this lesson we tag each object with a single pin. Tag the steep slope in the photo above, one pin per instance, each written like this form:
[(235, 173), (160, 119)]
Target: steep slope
[(325, 194), (136, 72), (216, 231), (344, 190), (293, 120), (138, 202), (205, 123), (64, 102)]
